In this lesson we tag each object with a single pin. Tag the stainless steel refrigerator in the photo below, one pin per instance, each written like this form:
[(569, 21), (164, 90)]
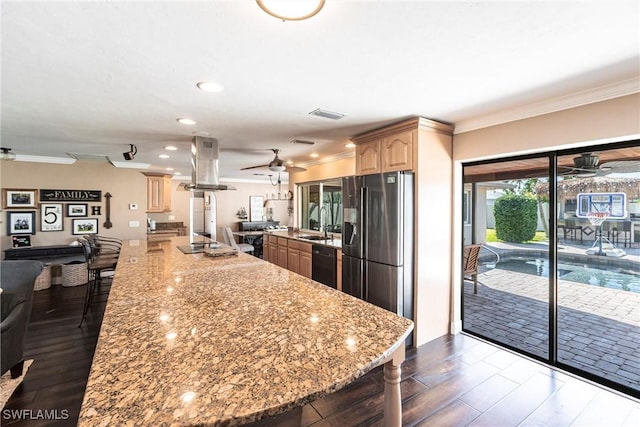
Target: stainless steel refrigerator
[(377, 240)]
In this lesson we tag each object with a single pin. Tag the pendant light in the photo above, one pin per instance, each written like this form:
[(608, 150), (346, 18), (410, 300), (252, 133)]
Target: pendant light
[(291, 10)]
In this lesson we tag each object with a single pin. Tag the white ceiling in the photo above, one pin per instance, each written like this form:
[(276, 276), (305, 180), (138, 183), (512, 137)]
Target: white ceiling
[(94, 77)]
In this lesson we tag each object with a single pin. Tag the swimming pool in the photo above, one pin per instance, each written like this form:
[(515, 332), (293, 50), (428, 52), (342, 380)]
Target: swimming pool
[(605, 277)]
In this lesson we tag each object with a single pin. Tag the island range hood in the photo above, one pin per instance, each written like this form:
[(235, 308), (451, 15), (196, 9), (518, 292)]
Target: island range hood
[(204, 166)]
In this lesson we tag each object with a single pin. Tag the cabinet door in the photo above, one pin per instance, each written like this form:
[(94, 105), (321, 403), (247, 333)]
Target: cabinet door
[(305, 264), (293, 260), (155, 194), (265, 251), (282, 256), (273, 253), (368, 158), (166, 194), (397, 152)]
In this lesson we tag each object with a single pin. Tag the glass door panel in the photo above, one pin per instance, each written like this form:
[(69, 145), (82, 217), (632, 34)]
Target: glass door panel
[(509, 217), (598, 274)]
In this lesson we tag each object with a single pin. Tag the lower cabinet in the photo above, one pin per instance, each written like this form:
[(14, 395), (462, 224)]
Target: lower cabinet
[(282, 252), (300, 258), (305, 264)]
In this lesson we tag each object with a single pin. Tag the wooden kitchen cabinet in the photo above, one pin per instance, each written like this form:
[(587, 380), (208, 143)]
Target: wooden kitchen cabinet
[(158, 192), (385, 151), (397, 152), (299, 258), (368, 158), (283, 252), (293, 260)]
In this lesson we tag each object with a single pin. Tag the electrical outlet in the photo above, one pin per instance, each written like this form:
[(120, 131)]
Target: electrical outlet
[(133, 224), (172, 217), (134, 242)]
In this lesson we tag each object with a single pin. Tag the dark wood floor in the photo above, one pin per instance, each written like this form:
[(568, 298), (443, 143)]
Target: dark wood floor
[(451, 381)]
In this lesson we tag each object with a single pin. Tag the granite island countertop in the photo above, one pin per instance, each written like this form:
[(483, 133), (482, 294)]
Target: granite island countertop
[(189, 339)]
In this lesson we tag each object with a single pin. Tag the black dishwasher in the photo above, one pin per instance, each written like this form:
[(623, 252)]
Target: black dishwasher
[(323, 265)]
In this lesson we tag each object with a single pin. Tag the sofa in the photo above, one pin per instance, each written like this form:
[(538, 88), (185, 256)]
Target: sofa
[(17, 279)]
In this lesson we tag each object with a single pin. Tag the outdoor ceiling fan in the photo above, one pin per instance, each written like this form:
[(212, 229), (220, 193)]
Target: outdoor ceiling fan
[(277, 165), (586, 164)]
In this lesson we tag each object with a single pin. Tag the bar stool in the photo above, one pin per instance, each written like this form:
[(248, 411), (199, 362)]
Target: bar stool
[(96, 266)]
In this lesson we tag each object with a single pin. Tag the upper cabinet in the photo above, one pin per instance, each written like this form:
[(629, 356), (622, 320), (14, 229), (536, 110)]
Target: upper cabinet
[(368, 158), (158, 192), (395, 147)]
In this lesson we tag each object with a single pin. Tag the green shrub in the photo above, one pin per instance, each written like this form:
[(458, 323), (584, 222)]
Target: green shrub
[(516, 218)]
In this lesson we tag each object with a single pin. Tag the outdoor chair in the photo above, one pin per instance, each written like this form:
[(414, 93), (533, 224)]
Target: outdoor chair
[(470, 258), (571, 229)]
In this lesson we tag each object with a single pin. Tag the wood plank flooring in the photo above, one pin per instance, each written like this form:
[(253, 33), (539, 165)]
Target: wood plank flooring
[(451, 381)]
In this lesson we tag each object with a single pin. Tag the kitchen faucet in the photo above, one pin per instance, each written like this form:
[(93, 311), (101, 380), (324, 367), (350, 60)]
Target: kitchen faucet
[(324, 221)]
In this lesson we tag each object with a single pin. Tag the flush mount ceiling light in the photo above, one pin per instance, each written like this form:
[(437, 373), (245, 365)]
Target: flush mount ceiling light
[(291, 10), (171, 148), (327, 114), (349, 145), (163, 156), (7, 154), (210, 86), (185, 121)]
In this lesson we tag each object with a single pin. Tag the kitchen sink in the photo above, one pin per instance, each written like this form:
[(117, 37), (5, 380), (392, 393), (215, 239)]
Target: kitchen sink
[(313, 237)]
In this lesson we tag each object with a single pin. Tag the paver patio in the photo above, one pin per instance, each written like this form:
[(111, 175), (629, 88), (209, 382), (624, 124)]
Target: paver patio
[(599, 328)]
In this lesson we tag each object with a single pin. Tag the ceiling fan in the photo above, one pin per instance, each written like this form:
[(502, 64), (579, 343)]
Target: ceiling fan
[(588, 164), (277, 165)]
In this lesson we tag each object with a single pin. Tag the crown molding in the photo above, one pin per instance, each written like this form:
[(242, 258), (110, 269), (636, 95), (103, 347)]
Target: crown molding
[(327, 159), (589, 96)]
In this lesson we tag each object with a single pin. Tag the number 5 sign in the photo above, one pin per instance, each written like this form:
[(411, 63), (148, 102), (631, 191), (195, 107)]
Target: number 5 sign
[(51, 217)]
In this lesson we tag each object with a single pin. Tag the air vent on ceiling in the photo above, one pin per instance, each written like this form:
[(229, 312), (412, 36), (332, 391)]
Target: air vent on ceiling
[(302, 141), (327, 114), (86, 156)]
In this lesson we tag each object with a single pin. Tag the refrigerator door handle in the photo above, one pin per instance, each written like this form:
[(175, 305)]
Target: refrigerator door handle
[(363, 220)]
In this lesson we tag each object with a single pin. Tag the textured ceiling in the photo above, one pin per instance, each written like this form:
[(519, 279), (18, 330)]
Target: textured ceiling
[(93, 77)]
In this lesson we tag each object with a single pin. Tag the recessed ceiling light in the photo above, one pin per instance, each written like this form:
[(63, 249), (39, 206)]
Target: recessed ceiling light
[(171, 148), (210, 86), (350, 145), (169, 169), (186, 121), (177, 173), (164, 156), (314, 155)]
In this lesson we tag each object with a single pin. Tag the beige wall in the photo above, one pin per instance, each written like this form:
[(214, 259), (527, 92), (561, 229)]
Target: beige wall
[(125, 185), (608, 121)]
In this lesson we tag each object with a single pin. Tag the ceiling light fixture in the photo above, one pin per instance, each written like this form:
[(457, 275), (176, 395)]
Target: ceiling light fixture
[(7, 154), (291, 10), (314, 155), (185, 121), (164, 156), (171, 148), (129, 155), (350, 145), (210, 86)]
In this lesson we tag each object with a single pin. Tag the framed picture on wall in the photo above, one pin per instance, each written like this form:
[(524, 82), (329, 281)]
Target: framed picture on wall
[(76, 209), (19, 199), (51, 218), (84, 226), (21, 223)]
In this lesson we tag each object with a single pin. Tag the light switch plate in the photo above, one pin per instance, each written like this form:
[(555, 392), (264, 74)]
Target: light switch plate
[(133, 224), (133, 206)]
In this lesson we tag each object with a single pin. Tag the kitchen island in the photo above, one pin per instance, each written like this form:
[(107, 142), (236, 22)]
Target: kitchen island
[(189, 339)]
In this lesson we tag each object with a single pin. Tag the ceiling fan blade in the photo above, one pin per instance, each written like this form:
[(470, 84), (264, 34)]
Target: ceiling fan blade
[(254, 167)]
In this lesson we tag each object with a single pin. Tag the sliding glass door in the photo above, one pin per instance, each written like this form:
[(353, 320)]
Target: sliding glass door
[(554, 280), (510, 305)]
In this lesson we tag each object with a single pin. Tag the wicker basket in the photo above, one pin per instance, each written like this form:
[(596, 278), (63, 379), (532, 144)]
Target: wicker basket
[(74, 274), (56, 274), (43, 281)]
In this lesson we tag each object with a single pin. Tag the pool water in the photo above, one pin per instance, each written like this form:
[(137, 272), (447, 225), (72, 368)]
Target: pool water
[(609, 277)]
